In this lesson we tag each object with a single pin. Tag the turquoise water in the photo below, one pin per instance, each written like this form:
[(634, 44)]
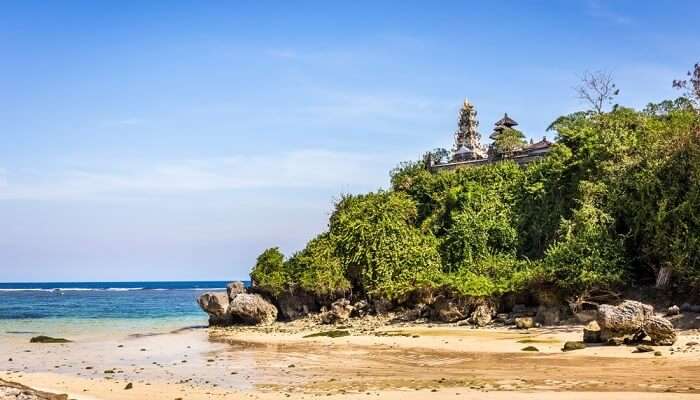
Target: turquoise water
[(79, 308)]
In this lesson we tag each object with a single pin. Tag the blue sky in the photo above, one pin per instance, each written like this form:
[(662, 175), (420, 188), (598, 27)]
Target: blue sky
[(176, 140)]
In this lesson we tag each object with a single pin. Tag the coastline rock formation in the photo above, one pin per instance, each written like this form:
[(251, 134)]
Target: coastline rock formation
[(340, 311), (636, 320), (237, 307), (16, 391)]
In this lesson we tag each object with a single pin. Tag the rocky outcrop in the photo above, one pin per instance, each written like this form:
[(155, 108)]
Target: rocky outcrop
[(339, 311), (16, 391), (548, 315), (216, 305), (482, 314), (524, 322), (237, 307), (252, 309), (635, 320), (591, 333), (233, 289), (297, 304), (660, 330), (622, 320), (446, 310)]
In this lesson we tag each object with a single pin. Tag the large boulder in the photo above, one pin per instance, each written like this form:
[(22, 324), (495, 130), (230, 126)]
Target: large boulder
[(446, 310), (625, 319), (660, 331), (297, 304), (591, 333), (548, 315), (234, 289), (216, 305), (339, 311), (252, 309), (482, 314), (524, 322)]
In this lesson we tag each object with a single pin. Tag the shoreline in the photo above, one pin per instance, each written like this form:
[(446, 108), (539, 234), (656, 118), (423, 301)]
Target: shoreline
[(389, 360)]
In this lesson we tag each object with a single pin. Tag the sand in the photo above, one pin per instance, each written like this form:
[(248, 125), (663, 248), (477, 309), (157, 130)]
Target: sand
[(393, 362)]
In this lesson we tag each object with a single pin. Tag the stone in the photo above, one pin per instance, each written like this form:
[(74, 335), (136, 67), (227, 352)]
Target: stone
[(622, 320), (360, 308), (252, 309), (48, 339), (339, 311), (216, 305), (586, 316), (643, 348), (382, 306), (673, 310), (233, 289), (524, 322), (129, 386), (547, 315), (660, 331), (591, 333), (530, 348), (615, 341), (685, 307), (446, 310), (12, 390), (571, 346), (482, 315), (296, 304)]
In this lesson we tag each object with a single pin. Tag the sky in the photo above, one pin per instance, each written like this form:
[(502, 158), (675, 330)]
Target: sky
[(176, 140)]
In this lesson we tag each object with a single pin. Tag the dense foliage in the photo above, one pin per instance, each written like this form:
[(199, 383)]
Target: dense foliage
[(615, 204)]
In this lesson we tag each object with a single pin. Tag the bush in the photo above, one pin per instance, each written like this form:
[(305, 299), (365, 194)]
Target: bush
[(269, 273), (377, 242), (317, 269)]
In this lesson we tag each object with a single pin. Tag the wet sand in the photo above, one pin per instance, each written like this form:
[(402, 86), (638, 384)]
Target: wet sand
[(403, 362)]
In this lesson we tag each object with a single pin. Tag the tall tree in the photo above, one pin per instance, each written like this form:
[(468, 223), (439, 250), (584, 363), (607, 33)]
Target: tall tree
[(597, 89)]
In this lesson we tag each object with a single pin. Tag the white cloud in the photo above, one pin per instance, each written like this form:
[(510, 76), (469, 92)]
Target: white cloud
[(296, 169)]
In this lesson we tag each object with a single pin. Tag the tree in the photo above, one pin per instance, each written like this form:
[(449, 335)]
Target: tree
[(690, 85), (597, 89), (508, 141)]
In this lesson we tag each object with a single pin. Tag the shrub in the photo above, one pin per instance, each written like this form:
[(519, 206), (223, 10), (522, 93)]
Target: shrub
[(269, 273)]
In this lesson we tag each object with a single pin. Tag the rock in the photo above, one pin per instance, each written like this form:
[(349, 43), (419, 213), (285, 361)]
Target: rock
[(446, 310), (658, 354), (571, 346), (129, 386), (482, 314), (547, 315), (615, 341), (414, 313), (530, 348), (524, 322), (339, 311), (622, 320), (296, 304), (382, 306), (252, 309), (586, 316), (216, 305), (48, 339), (643, 348), (12, 390), (660, 330), (673, 310), (591, 333), (685, 307), (360, 309), (233, 289)]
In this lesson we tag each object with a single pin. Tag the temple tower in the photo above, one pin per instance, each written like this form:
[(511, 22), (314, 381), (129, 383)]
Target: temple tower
[(467, 139)]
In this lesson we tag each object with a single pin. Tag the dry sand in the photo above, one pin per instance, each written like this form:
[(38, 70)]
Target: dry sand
[(395, 362)]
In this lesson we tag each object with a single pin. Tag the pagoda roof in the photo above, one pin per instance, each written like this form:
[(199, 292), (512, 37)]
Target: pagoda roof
[(506, 121)]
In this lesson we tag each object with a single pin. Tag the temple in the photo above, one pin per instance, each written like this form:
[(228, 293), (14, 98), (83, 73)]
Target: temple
[(508, 143)]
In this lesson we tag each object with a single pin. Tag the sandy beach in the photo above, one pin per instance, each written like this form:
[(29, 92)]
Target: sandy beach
[(406, 361)]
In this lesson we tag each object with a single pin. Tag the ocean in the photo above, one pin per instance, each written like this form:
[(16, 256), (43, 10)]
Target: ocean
[(76, 308)]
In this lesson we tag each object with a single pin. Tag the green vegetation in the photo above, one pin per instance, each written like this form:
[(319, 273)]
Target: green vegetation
[(615, 204), (48, 339), (509, 140), (330, 334)]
